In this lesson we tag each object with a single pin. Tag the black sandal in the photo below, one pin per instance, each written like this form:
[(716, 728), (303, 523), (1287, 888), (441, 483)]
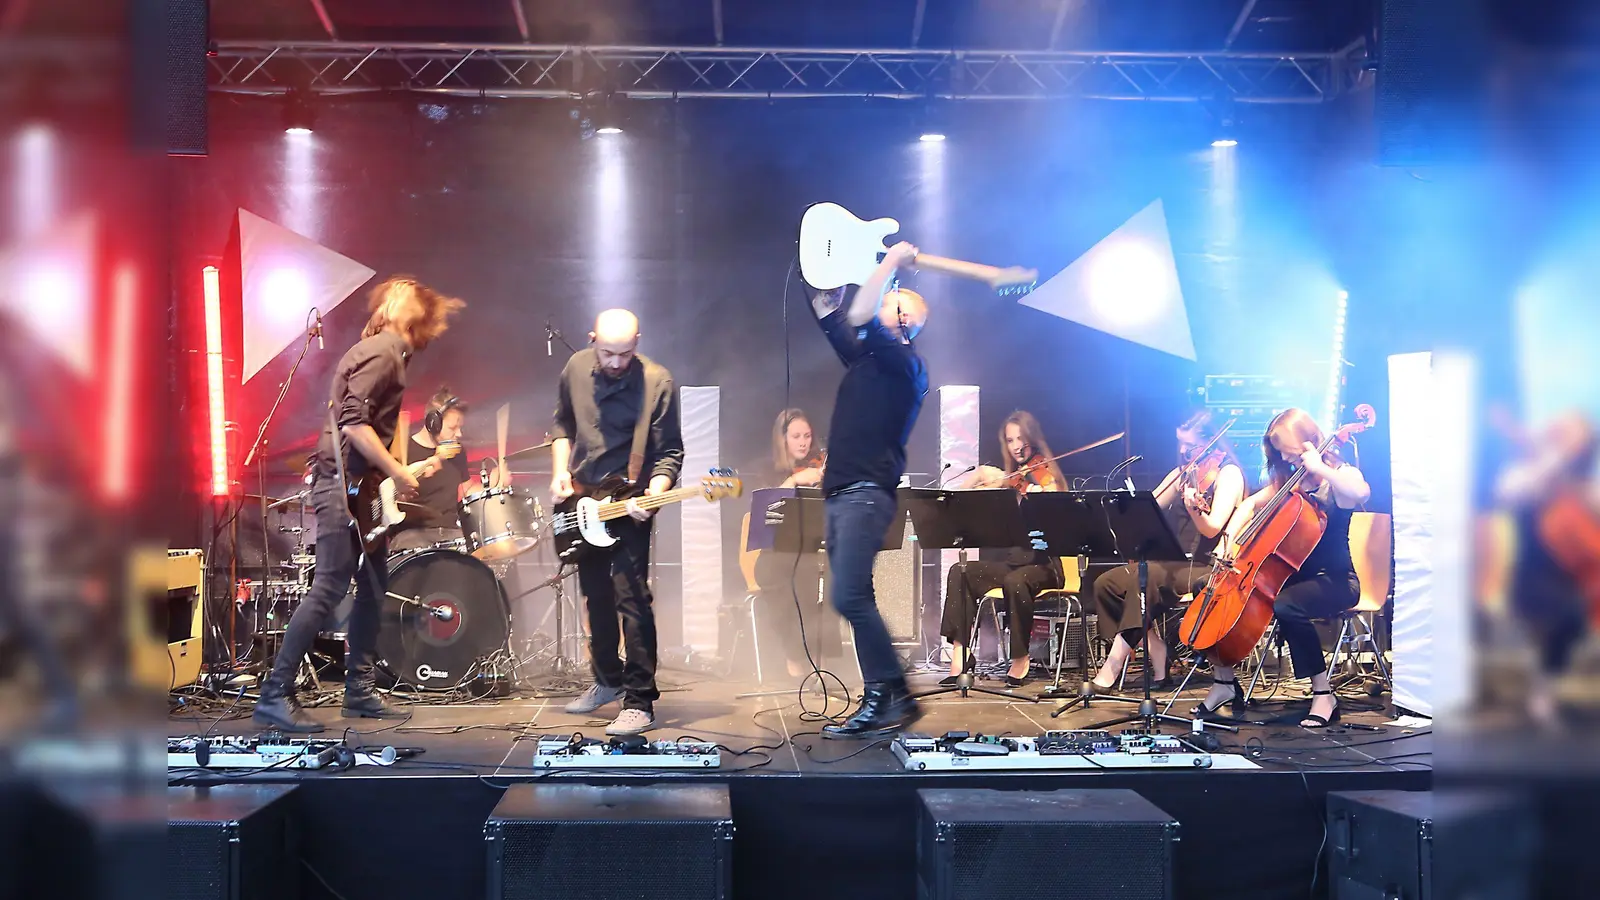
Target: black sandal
[(1319, 721), (1202, 710)]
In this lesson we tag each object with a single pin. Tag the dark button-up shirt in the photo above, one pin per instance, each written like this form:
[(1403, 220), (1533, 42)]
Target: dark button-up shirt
[(367, 388), (878, 401), (598, 413)]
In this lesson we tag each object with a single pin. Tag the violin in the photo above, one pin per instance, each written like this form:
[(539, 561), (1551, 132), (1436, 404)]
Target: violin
[(1229, 616), (1202, 469), (1035, 472), (815, 460)]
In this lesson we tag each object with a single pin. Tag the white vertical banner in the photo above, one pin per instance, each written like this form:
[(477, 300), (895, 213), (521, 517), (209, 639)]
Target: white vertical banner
[(958, 449), (1429, 411), (698, 410)]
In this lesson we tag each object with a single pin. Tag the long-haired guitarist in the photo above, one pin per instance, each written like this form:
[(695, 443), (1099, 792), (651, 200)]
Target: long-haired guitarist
[(617, 415), (368, 384), (1325, 584)]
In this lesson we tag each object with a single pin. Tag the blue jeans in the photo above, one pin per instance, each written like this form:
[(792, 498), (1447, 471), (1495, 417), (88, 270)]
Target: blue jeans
[(858, 517)]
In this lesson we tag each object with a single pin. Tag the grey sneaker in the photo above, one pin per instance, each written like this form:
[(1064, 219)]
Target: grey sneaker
[(631, 721), (596, 696)]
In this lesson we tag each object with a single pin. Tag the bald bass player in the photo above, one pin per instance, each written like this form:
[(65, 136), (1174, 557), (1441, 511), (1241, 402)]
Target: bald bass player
[(617, 414)]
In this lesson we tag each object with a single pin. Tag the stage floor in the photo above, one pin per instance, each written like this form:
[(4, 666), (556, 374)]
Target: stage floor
[(780, 735)]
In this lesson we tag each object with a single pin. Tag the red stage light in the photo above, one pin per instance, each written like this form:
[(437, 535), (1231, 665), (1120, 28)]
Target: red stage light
[(220, 483), (115, 475)]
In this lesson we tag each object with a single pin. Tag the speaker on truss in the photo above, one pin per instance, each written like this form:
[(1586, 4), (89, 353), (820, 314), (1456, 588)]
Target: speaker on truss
[(1430, 92), (188, 34)]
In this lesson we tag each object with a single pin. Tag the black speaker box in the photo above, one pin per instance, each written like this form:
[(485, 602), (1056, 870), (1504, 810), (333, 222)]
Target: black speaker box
[(232, 842), (1043, 845), (1426, 845), (665, 842), (80, 842)]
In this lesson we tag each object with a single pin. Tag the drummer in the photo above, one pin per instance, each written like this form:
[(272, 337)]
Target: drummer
[(440, 494)]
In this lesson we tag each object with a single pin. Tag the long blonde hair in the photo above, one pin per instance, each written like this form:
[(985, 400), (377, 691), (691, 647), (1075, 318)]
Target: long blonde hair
[(780, 439), (1034, 436), (417, 311)]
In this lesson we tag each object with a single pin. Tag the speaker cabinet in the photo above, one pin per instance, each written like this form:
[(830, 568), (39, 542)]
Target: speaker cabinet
[(188, 33), (897, 583), (232, 842), (666, 842), (1423, 845), (1043, 845)]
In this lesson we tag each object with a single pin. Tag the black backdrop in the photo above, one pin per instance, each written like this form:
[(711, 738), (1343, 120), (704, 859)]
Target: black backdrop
[(497, 202)]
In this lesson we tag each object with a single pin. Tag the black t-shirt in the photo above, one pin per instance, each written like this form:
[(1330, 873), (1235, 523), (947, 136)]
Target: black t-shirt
[(879, 398), (368, 385), (437, 492)]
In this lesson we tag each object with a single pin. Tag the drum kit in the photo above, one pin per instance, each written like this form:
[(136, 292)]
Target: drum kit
[(446, 611)]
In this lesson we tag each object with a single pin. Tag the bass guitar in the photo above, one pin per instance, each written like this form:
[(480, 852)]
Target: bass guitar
[(1229, 616), (578, 523), (837, 248), (374, 505)]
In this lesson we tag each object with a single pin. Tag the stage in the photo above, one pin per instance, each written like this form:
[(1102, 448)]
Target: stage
[(811, 815)]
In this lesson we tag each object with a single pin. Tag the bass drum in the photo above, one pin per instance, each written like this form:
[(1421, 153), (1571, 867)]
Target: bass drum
[(444, 612)]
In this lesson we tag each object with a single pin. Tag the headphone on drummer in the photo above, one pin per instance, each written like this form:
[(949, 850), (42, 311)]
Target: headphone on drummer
[(441, 403)]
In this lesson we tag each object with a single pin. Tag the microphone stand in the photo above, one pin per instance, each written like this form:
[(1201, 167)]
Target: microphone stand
[(552, 334), (259, 447)]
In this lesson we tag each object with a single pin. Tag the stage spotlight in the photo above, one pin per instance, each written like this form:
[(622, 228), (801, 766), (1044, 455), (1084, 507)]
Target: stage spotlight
[(608, 120), (299, 114), (1224, 142), (931, 128)]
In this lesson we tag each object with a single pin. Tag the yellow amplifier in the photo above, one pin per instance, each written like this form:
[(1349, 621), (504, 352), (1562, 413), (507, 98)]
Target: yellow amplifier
[(175, 618)]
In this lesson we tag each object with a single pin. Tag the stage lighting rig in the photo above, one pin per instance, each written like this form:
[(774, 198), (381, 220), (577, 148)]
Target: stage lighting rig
[(299, 112)]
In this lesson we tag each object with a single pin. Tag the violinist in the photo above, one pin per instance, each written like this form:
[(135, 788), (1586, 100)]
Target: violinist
[(1024, 573), (1325, 584), (787, 582), (1552, 487), (1198, 496)]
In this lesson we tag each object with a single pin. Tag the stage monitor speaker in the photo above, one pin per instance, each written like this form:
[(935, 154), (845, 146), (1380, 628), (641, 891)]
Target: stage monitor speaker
[(232, 842), (1043, 845), (897, 583), (1427, 845), (671, 842), (68, 839)]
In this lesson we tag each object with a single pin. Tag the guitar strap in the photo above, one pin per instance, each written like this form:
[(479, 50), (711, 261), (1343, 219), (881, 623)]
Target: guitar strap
[(641, 430)]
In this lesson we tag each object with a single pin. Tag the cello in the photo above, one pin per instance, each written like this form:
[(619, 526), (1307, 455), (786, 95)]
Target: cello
[(1229, 616)]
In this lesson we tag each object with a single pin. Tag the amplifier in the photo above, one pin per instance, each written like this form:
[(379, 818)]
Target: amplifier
[(1044, 845), (1255, 390), (232, 842), (611, 843), (1427, 845), (897, 583)]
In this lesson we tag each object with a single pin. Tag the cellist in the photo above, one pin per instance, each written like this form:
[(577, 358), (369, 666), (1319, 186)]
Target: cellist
[(1025, 572), (1545, 594), (1197, 511), (1325, 585)]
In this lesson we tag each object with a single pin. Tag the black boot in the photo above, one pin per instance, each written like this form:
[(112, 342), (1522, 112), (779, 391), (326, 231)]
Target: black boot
[(361, 700), (279, 708), (885, 709)]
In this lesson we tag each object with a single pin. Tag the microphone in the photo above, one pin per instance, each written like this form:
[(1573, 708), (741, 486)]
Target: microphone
[(317, 328), (442, 613), (549, 336), (1119, 467), (943, 482), (483, 473)]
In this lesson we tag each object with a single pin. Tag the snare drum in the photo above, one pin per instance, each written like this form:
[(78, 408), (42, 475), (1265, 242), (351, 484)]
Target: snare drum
[(500, 522)]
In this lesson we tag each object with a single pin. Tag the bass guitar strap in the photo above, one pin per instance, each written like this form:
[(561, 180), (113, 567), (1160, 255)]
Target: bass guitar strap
[(641, 431)]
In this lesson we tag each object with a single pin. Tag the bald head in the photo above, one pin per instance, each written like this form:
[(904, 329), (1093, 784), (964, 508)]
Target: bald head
[(616, 339), (903, 307)]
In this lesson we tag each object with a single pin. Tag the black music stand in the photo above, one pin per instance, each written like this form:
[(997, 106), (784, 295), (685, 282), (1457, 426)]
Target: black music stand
[(1070, 523), (963, 520), (1142, 534)]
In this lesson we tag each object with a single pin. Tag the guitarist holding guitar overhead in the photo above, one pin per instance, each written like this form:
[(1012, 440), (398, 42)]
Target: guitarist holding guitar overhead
[(364, 401), (617, 415)]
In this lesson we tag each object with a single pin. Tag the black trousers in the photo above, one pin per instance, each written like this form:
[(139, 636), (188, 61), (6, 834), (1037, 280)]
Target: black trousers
[(338, 560), (969, 581), (1116, 596), (616, 586), (784, 579), (1306, 597)]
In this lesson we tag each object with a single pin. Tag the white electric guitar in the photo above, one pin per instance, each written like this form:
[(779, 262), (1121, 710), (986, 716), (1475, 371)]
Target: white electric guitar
[(837, 249)]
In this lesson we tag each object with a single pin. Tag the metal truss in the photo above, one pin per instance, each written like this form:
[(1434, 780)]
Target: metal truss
[(556, 71)]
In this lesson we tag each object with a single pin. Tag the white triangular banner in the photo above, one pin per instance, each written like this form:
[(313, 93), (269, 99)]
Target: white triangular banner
[(284, 276), (1126, 285)]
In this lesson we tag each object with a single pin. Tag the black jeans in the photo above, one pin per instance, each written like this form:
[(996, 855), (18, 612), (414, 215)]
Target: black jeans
[(858, 517), (338, 560), (969, 581), (1307, 597), (1116, 596), (616, 585)]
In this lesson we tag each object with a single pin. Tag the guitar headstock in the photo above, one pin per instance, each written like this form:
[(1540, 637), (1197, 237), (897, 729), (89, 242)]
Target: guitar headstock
[(720, 483), (1014, 281)]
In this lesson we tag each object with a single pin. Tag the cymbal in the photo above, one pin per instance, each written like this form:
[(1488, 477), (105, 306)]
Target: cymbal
[(528, 451)]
